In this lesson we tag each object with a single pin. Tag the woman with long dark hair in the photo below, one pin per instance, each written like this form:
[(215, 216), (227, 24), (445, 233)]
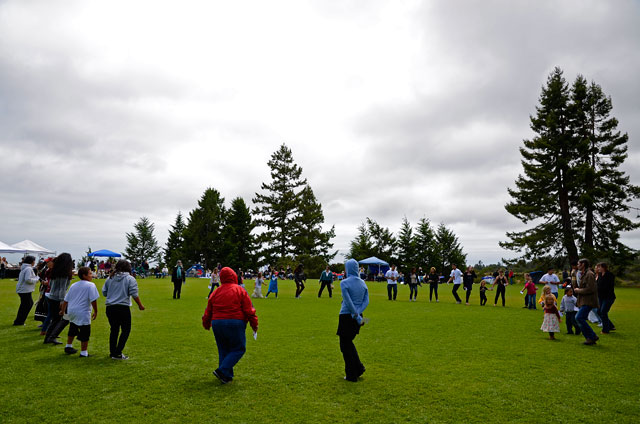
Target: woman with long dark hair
[(502, 282), (434, 279), (467, 279), (61, 275), (299, 278)]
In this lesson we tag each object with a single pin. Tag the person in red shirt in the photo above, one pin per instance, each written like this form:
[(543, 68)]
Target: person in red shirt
[(531, 289), (228, 310)]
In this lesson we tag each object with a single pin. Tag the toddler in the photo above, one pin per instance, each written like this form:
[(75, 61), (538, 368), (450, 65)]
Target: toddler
[(551, 322), (273, 284), (483, 292), (569, 308)]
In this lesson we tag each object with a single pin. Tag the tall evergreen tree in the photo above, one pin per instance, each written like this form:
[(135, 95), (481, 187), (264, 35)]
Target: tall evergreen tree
[(406, 247), (203, 236), (425, 241), (361, 247), (174, 249), (239, 242), (603, 190), (276, 208), (384, 242), (309, 239), (448, 249), (141, 243), (543, 192)]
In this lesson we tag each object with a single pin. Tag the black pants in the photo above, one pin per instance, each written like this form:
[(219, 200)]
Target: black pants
[(326, 284), (455, 292), (570, 319), (501, 292), (57, 323), (120, 321), (26, 303), (213, 287), (413, 291), (393, 287), (468, 293), (177, 288), (433, 288), (483, 297), (299, 288), (348, 328)]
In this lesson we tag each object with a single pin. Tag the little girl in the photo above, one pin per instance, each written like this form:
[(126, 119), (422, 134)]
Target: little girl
[(273, 284), (551, 323), (546, 291), (483, 292), (215, 281), (257, 291)]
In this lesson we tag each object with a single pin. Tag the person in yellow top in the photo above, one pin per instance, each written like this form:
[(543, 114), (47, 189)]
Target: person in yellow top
[(546, 290)]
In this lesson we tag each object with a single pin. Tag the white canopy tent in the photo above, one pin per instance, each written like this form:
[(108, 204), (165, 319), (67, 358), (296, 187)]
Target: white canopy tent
[(5, 248), (27, 246)]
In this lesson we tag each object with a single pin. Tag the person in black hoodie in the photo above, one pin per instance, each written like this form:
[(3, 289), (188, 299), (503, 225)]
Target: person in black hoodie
[(606, 296), (434, 279), (467, 280)]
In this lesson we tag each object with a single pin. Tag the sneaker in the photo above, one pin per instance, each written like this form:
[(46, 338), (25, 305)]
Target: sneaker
[(437, 300), (459, 302), (353, 380), (70, 350), (121, 357), (219, 376), (85, 356), (589, 342)]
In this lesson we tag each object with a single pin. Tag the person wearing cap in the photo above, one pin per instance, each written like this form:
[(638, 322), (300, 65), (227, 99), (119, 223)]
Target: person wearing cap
[(228, 310)]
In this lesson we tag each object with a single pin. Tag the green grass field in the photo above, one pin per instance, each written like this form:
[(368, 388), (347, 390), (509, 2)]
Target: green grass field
[(426, 362)]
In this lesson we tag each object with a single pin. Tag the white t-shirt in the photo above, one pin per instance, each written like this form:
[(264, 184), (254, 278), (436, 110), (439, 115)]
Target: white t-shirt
[(457, 276), (79, 298), (391, 274), (553, 278)]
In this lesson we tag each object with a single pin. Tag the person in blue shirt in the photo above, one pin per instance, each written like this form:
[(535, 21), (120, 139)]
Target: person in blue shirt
[(178, 277), (355, 299)]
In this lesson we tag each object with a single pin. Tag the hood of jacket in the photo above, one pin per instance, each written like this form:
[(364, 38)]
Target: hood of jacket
[(351, 268), (120, 276), (228, 276), (25, 266)]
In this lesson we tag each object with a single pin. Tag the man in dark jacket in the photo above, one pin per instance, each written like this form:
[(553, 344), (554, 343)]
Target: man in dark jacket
[(606, 297), (587, 300), (178, 277)]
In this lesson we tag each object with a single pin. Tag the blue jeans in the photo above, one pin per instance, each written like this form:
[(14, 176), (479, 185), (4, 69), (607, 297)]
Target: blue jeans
[(531, 301), (582, 316), (605, 306), (231, 341)]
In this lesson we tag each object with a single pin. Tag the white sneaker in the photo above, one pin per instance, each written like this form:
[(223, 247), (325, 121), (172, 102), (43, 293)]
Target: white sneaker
[(437, 300)]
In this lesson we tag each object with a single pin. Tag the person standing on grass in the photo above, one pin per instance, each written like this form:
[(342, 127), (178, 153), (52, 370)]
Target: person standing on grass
[(468, 278), (26, 285), (531, 290), (551, 280), (355, 299), (483, 292), (178, 277), (434, 279), (215, 281), (119, 288), (300, 279), (273, 283), (61, 275), (569, 307), (502, 282), (81, 297), (414, 280), (551, 322), (606, 297), (228, 311), (456, 277), (326, 280), (587, 300), (392, 282), (257, 290)]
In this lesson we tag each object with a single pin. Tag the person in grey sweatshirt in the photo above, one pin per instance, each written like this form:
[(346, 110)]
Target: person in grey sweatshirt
[(26, 285), (118, 290), (355, 299)]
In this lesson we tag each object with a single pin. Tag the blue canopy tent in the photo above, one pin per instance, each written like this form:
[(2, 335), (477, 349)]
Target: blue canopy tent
[(375, 265), (104, 253)]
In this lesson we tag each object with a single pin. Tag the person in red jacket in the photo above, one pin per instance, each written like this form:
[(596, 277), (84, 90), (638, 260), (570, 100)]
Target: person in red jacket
[(228, 311)]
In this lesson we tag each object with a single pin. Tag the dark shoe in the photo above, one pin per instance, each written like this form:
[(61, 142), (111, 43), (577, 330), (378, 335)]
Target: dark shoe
[(70, 350), (353, 380), (121, 357), (596, 339), (589, 342), (604, 332), (85, 356), (362, 370), (570, 332), (53, 342), (221, 377), (18, 325)]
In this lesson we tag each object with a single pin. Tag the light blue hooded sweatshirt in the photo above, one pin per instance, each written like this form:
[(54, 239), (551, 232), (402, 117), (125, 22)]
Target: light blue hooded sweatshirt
[(355, 294)]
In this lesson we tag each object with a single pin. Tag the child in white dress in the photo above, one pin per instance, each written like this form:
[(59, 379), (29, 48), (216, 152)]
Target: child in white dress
[(257, 291), (551, 322)]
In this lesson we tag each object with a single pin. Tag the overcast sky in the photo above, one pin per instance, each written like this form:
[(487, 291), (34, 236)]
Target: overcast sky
[(113, 110)]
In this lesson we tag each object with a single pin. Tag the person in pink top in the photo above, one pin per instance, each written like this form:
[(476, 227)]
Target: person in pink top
[(531, 289)]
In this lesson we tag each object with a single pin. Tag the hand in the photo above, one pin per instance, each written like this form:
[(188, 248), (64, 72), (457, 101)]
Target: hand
[(141, 307), (94, 315)]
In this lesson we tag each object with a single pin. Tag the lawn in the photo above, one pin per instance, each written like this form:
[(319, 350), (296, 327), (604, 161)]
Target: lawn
[(426, 362)]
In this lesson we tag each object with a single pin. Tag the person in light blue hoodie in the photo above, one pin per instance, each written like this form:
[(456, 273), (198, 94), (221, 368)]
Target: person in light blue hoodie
[(355, 299)]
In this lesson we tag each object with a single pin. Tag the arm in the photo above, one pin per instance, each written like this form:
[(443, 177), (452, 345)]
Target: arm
[(63, 307), (348, 302), (140, 305), (94, 305), (208, 313), (365, 302), (562, 305), (32, 279)]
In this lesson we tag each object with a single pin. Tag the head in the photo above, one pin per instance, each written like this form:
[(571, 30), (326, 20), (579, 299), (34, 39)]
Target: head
[(469, 269), (327, 268), (574, 265), (228, 276), (299, 268), (179, 263), (501, 272), (583, 264), (569, 291), (527, 276), (85, 273), (432, 270), (62, 266), (215, 271), (123, 265), (351, 268), (453, 266), (413, 270), (483, 283), (546, 290), (550, 271), (548, 301), (30, 260), (393, 267), (604, 267), (259, 275)]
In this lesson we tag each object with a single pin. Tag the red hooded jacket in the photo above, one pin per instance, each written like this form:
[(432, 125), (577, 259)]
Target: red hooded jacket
[(229, 301)]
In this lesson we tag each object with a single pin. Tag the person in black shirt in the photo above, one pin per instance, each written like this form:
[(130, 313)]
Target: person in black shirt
[(502, 283), (467, 280), (433, 278), (606, 296), (299, 278)]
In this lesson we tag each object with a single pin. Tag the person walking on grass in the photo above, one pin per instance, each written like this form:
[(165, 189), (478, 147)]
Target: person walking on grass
[(502, 282), (569, 307), (178, 277), (587, 300), (551, 322), (467, 279), (483, 292), (118, 290), (456, 277), (392, 282), (273, 283), (26, 285), (215, 281), (434, 279), (606, 297), (326, 280), (257, 290), (61, 275), (80, 299), (531, 289), (228, 311), (355, 299), (300, 279), (414, 281)]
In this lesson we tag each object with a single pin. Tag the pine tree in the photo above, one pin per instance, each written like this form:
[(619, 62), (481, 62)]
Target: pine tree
[(425, 240), (239, 242), (276, 208), (543, 192), (141, 244), (203, 235), (174, 250), (309, 239), (361, 247), (448, 249), (384, 243), (406, 247), (603, 190)]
